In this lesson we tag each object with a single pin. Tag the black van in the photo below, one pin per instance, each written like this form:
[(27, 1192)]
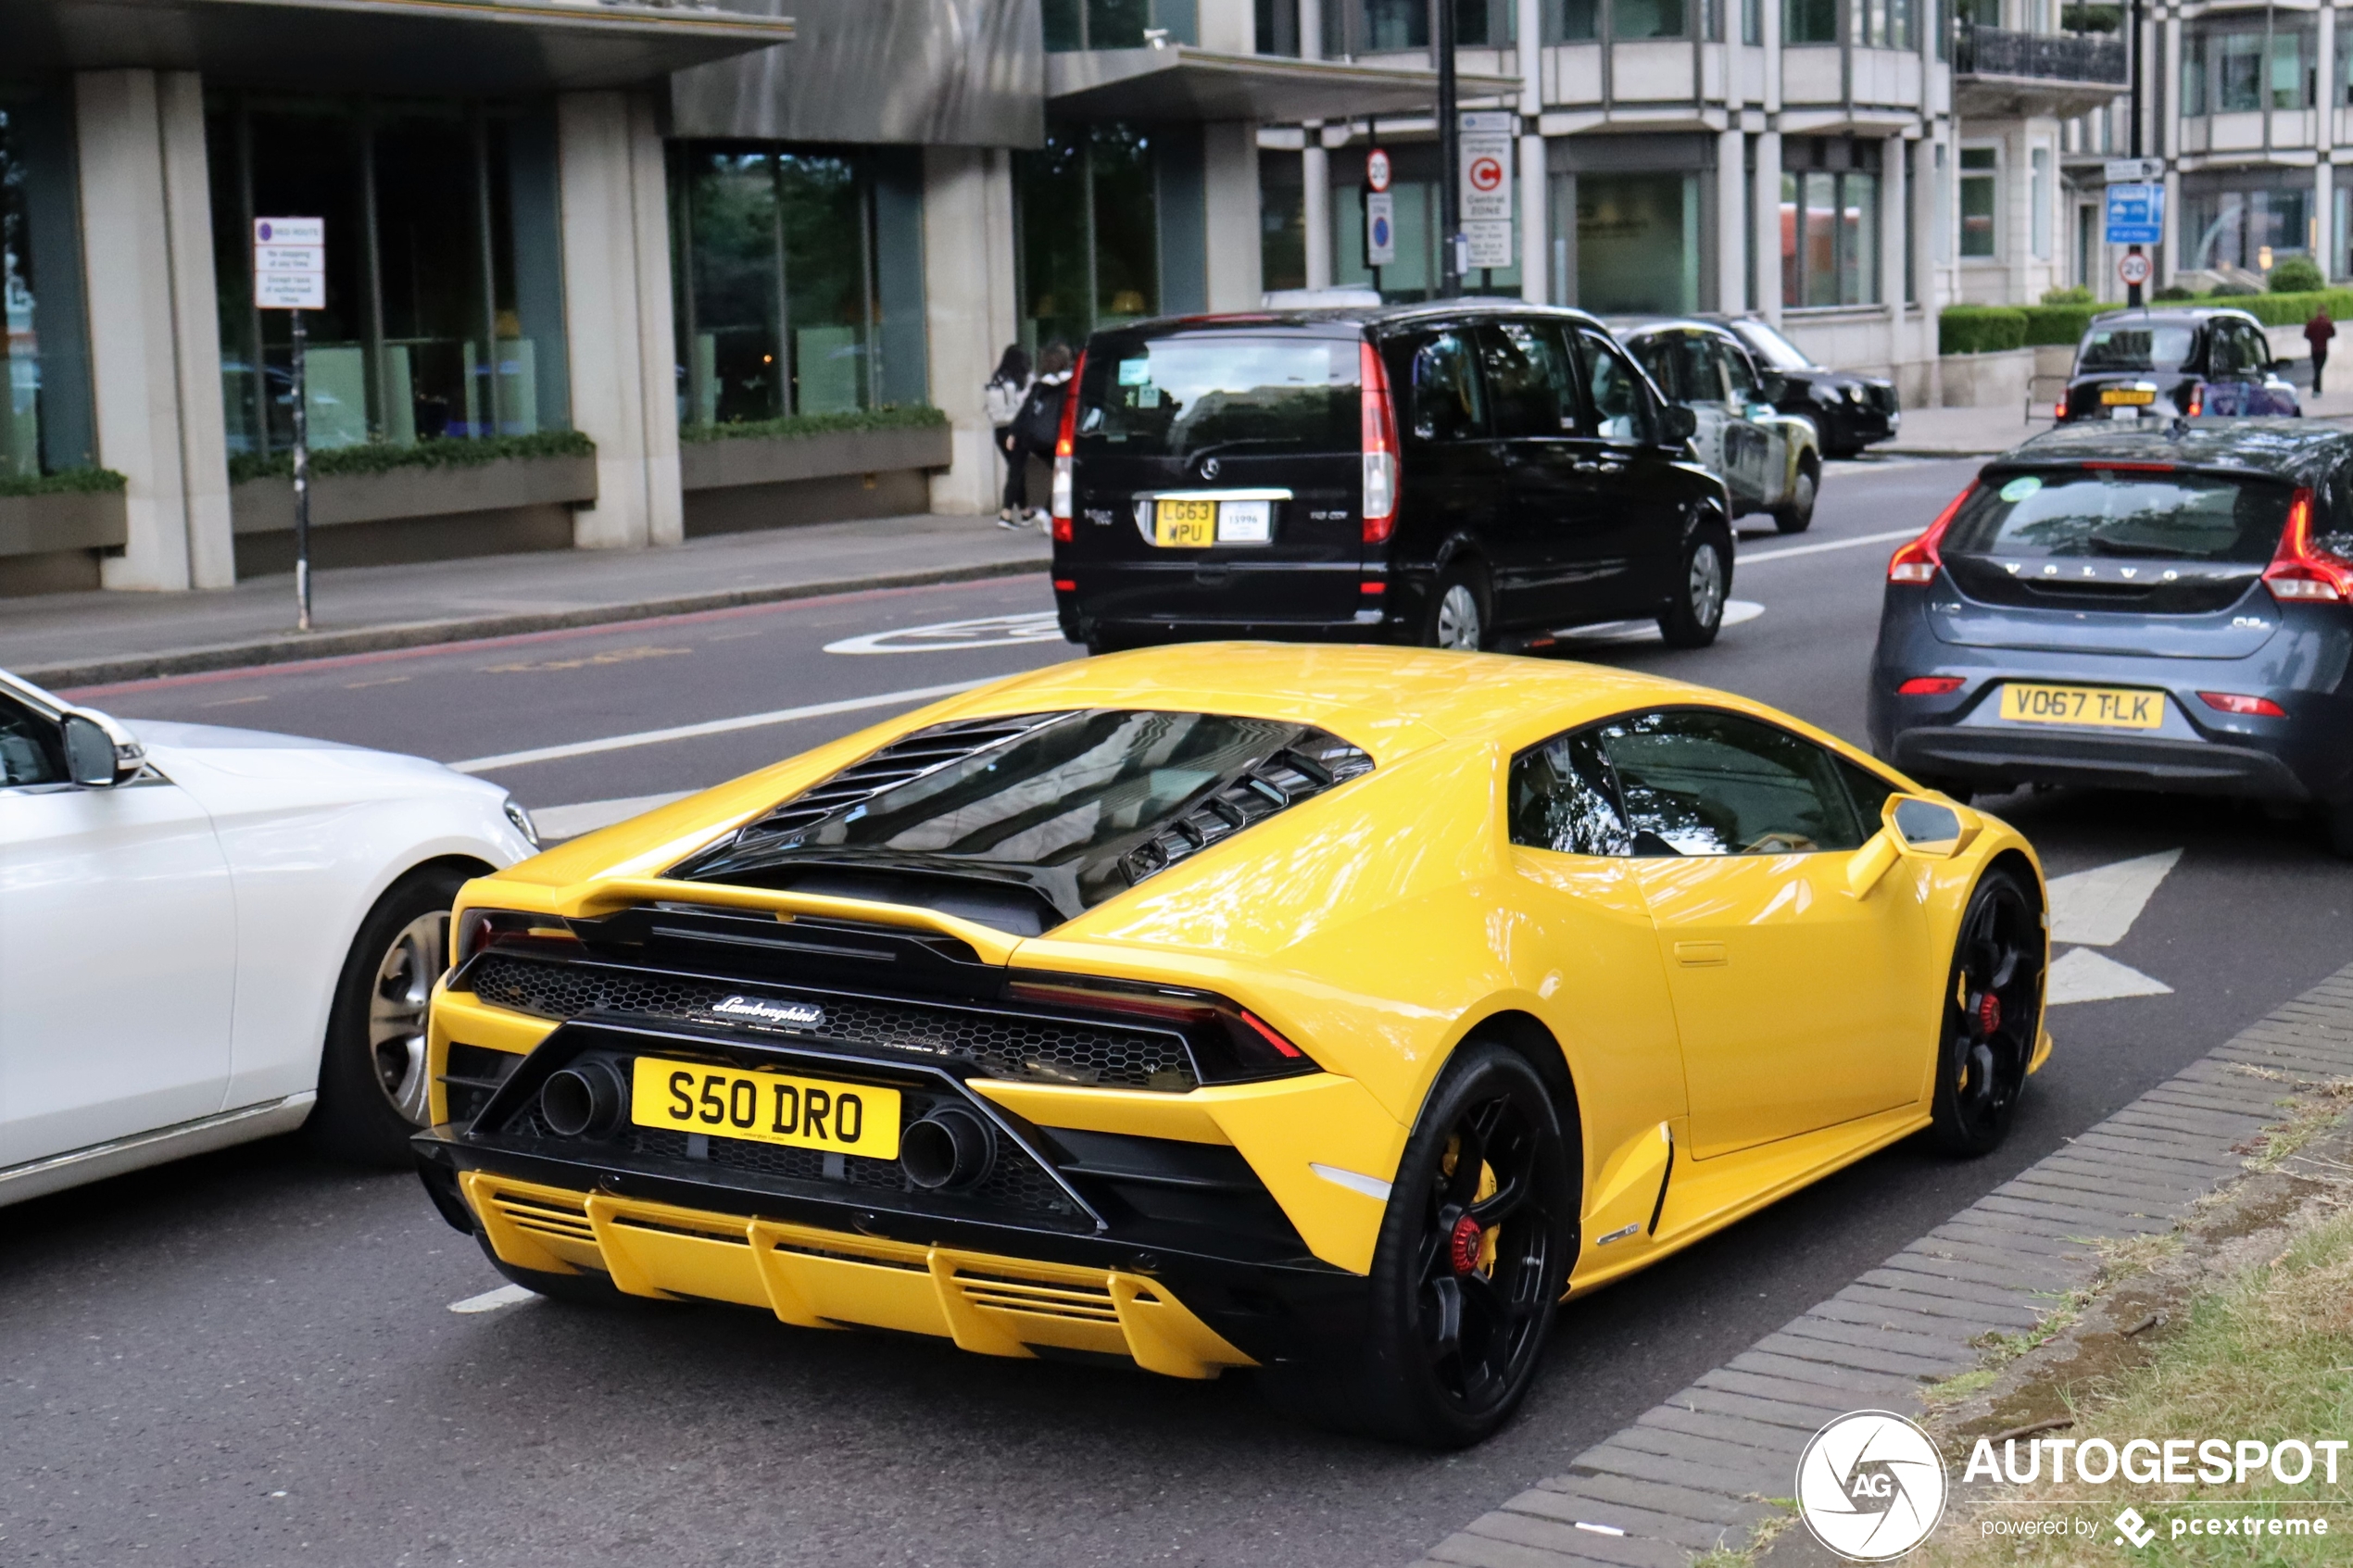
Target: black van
[(1464, 474)]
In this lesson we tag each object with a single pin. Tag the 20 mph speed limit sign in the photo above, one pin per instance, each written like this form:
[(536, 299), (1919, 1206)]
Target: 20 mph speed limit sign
[(2133, 267)]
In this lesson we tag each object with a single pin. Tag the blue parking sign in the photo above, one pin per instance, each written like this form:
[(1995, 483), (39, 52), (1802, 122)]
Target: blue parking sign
[(2135, 215)]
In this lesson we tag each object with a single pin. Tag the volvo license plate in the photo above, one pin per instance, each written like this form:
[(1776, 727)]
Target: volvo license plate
[(2110, 708), (776, 1108)]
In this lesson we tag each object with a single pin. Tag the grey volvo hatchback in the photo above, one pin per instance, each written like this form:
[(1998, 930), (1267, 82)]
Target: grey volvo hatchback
[(2163, 608)]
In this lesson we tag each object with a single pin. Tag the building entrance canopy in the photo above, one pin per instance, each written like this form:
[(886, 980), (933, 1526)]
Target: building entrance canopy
[(436, 46), (1177, 82)]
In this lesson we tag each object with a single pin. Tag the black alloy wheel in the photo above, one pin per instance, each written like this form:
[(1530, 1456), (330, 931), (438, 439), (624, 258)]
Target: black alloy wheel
[(1991, 1005), (1474, 1252), (1703, 581)]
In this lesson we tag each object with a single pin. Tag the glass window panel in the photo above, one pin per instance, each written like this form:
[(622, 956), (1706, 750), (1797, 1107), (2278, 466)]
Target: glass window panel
[(1528, 377), (1980, 182), (2040, 197), (1647, 19), (306, 164), (2194, 74), (735, 369), (1447, 401), (1859, 239), (1619, 404), (1117, 24), (1563, 798), (1899, 24), (1637, 243), (1572, 21), (1063, 24), (828, 292), (1282, 220), (2239, 76), (45, 387), (1277, 27), (1127, 214), (1396, 24), (1818, 241), (2286, 77), (1809, 21), (1057, 271), (1752, 21)]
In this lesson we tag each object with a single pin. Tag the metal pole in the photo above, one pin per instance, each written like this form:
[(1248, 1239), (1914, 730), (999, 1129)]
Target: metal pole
[(302, 482), (1450, 158), (2134, 296)]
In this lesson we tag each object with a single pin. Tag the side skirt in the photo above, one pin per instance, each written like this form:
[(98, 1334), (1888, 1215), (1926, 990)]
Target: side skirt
[(54, 1172)]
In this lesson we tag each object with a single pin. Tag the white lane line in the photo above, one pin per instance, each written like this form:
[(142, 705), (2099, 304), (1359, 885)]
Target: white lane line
[(718, 726), (2098, 907), (2080, 975), (570, 821), (491, 1301), (1860, 539)]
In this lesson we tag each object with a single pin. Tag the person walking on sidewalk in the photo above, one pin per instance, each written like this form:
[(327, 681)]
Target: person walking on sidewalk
[(1040, 424), (2317, 331), (1001, 399)]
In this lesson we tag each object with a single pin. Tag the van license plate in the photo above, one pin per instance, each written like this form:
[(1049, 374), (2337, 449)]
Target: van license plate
[(2127, 394), (1191, 525), (2104, 706)]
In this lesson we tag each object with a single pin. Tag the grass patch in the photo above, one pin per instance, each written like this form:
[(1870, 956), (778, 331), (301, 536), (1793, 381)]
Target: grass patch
[(796, 426), (384, 457), (2307, 1121), (69, 481), (2264, 1355), (1764, 1533)]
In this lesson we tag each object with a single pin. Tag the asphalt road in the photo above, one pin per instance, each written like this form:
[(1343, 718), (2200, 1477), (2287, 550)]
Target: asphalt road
[(249, 1359)]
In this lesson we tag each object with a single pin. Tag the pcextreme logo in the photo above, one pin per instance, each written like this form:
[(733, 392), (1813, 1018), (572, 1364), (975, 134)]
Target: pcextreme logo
[(1871, 1486)]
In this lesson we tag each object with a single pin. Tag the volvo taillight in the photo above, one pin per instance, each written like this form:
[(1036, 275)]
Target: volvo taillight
[(2301, 570), (1062, 502), (1380, 446), (1918, 561)]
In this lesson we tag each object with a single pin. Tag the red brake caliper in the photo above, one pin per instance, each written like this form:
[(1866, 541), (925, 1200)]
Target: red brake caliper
[(1462, 1247)]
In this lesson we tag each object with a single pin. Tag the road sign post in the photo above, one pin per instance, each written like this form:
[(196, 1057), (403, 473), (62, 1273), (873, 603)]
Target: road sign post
[(1449, 168), (290, 273)]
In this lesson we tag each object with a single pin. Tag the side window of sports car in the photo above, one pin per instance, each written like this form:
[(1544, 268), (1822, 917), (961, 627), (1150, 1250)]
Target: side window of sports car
[(1564, 799), (30, 751), (1703, 782)]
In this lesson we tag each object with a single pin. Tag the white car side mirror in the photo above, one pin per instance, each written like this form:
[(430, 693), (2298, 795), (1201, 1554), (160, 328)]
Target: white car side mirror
[(90, 759)]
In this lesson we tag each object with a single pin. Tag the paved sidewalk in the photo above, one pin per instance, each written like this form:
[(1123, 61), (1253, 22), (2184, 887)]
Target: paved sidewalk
[(1694, 1472), (92, 638)]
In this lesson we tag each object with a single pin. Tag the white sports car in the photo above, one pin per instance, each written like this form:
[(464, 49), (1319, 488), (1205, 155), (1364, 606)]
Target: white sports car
[(208, 935)]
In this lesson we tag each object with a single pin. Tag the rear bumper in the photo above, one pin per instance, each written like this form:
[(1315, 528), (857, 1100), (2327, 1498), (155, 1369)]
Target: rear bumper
[(1987, 757)]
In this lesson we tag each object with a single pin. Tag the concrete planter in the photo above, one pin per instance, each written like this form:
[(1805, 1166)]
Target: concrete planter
[(1988, 380), (732, 462), (266, 506), (34, 525)]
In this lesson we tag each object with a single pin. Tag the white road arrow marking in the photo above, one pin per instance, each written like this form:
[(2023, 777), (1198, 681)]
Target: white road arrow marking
[(2081, 975), (491, 1301), (2096, 908)]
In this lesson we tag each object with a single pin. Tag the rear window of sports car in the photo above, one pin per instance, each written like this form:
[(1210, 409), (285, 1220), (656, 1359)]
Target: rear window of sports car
[(1058, 811)]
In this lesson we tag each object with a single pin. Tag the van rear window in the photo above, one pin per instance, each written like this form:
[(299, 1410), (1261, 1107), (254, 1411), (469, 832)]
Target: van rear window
[(2121, 514), (1185, 396)]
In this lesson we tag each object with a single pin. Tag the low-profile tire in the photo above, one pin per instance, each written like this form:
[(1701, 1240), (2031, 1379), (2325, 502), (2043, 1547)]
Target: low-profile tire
[(1795, 515), (373, 1085), (1702, 580), (1993, 998), (1468, 1272), (1461, 611)]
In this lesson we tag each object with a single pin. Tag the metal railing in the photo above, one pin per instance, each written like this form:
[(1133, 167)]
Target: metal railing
[(2050, 57)]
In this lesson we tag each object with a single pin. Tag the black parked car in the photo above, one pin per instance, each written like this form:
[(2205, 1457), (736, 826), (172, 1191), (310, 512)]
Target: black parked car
[(1850, 411), (2173, 364), (1459, 474), (2162, 607)]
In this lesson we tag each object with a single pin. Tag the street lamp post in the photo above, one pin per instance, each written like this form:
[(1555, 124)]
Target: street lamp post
[(1450, 154)]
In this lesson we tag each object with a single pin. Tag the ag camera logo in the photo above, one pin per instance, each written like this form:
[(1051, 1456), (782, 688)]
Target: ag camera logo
[(1871, 1486)]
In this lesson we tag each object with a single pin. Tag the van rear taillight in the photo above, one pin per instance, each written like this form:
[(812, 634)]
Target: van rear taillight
[(1380, 446), (1061, 498), (2301, 570)]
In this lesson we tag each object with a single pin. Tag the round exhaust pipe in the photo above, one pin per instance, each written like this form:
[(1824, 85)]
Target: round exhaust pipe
[(582, 1100), (950, 1148)]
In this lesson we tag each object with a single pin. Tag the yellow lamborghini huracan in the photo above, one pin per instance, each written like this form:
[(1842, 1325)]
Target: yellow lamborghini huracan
[(1332, 1012)]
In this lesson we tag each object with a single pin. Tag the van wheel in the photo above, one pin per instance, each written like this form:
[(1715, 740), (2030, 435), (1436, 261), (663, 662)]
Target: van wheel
[(1702, 580), (1795, 515), (1460, 616)]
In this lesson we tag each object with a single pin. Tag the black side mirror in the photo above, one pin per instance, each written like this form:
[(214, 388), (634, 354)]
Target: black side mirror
[(1678, 425), (90, 759), (1772, 386)]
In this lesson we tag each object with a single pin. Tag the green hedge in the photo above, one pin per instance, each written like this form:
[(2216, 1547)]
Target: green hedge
[(2059, 324), (72, 481), (1979, 328), (889, 417), (378, 457)]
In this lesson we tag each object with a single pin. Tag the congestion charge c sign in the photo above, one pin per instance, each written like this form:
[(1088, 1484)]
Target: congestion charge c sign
[(1486, 173)]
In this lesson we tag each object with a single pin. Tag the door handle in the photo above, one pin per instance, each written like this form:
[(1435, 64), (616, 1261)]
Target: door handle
[(1700, 954)]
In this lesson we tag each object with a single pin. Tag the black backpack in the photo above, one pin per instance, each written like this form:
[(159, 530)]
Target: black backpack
[(1039, 423)]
